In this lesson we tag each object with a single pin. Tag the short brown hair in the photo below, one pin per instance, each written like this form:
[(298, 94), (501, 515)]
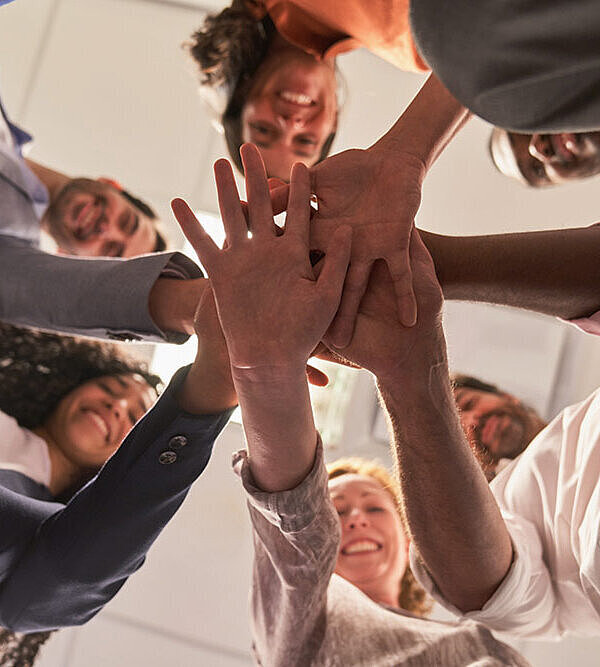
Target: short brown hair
[(412, 597)]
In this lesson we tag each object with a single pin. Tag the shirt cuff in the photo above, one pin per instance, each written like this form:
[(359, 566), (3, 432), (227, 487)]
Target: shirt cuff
[(291, 510), (181, 267)]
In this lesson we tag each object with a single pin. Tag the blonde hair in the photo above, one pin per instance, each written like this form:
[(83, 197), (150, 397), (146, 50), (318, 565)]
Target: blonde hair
[(412, 597)]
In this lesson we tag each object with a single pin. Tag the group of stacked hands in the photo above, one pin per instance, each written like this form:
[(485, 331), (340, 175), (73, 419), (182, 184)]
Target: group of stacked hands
[(519, 556)]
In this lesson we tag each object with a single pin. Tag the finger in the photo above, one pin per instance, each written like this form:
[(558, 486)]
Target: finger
[(232, 214), (335, 265), (316, 377), (260, 212), (279, 198), (201, 241), (401, 272), (275, 183), (297, 220), (342, 328)]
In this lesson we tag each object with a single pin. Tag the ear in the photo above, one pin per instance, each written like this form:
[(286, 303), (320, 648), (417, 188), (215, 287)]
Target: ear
[(110, 181)]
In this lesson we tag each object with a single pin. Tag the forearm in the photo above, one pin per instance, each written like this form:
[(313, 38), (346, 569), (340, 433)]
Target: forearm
[(429, 122), (278, 423), (553, 272), (452, 516)]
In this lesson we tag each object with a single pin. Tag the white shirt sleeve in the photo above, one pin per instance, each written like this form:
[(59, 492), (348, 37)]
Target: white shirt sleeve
[(525, 602)]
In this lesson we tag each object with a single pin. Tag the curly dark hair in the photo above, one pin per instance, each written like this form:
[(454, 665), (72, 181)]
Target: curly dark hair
[(38, 369), (229, 48), (19, 650), (412, 596)]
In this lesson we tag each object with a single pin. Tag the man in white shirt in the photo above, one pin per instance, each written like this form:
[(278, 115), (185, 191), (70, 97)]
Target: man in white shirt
[(520, 555)]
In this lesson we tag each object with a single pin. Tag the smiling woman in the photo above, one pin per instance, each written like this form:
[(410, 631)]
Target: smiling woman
[(373, 551), (65, 407), (268, 68)]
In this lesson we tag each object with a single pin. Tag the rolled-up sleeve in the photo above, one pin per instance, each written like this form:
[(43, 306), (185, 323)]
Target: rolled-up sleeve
[(524, 603), (296, 536)]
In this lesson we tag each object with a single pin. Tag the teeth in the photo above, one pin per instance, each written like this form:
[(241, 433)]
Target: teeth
[(361, 547), (296, 98), (99, 421)]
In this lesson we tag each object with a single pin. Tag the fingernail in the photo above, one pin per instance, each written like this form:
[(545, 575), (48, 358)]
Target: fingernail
[(408, 314)]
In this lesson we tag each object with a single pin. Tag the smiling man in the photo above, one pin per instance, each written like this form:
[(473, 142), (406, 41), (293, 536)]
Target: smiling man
[(96, 217), (497, 424), (539, 160)]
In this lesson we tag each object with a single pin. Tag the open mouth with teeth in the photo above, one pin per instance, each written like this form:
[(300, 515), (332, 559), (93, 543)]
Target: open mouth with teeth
[(86, 219), (360, 547), (98, 422), (299, 99)]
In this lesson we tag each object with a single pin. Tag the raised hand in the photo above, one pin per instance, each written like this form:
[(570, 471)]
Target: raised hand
[(378, 195), (272, 309)]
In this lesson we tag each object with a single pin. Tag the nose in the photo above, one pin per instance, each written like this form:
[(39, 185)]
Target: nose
[(293, 120), (118, 406), (357, 519), (540, 147), (468, 421)]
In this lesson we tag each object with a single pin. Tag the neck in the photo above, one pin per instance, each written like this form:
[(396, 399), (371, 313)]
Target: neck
[(54, 181), (382, 591), (63, 472)]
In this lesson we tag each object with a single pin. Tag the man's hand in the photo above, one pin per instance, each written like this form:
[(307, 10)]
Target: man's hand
[(377, 192), (272, 309), (381, 343)]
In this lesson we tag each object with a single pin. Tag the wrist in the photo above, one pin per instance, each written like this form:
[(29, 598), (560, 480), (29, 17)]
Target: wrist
[(172, 303), (270, 377), (413, 371)]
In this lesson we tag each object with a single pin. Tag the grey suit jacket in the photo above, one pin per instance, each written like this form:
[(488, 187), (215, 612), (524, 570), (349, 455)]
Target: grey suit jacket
[(60, 564), (525, 65), (106, 298)]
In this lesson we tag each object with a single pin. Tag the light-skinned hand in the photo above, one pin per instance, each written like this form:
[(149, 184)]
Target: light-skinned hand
[(272, 308)]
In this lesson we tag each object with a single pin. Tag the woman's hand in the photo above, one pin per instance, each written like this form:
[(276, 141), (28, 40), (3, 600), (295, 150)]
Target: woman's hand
[(272, 308)]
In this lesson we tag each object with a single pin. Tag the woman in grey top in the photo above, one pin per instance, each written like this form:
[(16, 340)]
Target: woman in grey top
[(303, 613)]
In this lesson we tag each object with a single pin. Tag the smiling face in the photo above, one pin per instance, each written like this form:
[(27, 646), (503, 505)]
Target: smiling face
[(90, 422), (374, 549), (290, 110), (94, 219), (547, 159), (497, 425)]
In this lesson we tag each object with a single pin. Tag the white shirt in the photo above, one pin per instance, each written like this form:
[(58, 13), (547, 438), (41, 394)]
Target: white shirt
[(23, 451), (550, 500)]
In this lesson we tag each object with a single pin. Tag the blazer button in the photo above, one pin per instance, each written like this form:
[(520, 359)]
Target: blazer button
[(178, 441), (168, 457)]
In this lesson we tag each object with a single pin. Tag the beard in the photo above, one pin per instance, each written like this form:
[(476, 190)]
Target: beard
[(501, 434)]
